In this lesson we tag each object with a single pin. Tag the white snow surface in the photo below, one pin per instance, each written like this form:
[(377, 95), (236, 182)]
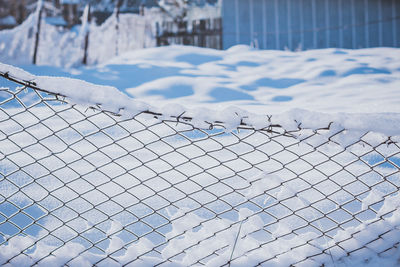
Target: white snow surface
[(356, 89), (328, 80)]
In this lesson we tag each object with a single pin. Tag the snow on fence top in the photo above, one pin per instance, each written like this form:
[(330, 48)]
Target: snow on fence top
[(83, 93), (126, 183)]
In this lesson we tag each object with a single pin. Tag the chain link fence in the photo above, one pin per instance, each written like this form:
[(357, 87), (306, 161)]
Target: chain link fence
[(86, 187)]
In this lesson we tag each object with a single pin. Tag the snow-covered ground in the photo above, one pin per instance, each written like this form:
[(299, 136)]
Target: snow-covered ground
[(329, 80), (358, 90), (264, 82)]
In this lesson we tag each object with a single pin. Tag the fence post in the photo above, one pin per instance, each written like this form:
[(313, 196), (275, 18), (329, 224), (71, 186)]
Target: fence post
[(117, 12), (39, 10), (158, 35), (88, 19)]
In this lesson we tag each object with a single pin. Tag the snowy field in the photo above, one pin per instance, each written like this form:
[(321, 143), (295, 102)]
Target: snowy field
[(212, 195), (266, 82)]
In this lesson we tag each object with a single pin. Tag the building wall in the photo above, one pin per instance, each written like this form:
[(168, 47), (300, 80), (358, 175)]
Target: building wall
[(310, 24)]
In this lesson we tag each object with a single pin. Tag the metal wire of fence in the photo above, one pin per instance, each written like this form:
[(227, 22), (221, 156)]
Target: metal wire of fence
[(84, 186)]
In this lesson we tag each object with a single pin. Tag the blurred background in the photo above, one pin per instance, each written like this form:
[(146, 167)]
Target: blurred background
[(126, 25)]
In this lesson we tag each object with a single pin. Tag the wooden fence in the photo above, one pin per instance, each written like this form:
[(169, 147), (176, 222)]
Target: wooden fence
[(202, 33)]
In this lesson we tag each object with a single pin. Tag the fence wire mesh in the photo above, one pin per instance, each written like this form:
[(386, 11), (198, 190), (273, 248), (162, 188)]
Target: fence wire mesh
[(85, 187)]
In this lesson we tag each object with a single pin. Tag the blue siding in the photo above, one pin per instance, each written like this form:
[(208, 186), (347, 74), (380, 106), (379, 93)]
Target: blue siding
[(283, 24), (308, 24), (258, 26), (228, 25), (397, 22), (244, 25), (373, 27), (295, 23), (271, 37), (347, 20), (359, 12), (387, 23), (321, 23), (334, 23)]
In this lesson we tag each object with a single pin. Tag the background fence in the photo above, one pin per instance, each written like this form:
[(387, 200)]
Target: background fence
[(311, 24), (125, 33), (84, 186), (202, 33)]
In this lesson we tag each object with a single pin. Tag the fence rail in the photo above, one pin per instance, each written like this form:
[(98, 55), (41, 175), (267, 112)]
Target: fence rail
[(202, 33), (84, 186)]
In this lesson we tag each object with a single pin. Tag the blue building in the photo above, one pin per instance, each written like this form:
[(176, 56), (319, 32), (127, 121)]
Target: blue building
[(310, 24)]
